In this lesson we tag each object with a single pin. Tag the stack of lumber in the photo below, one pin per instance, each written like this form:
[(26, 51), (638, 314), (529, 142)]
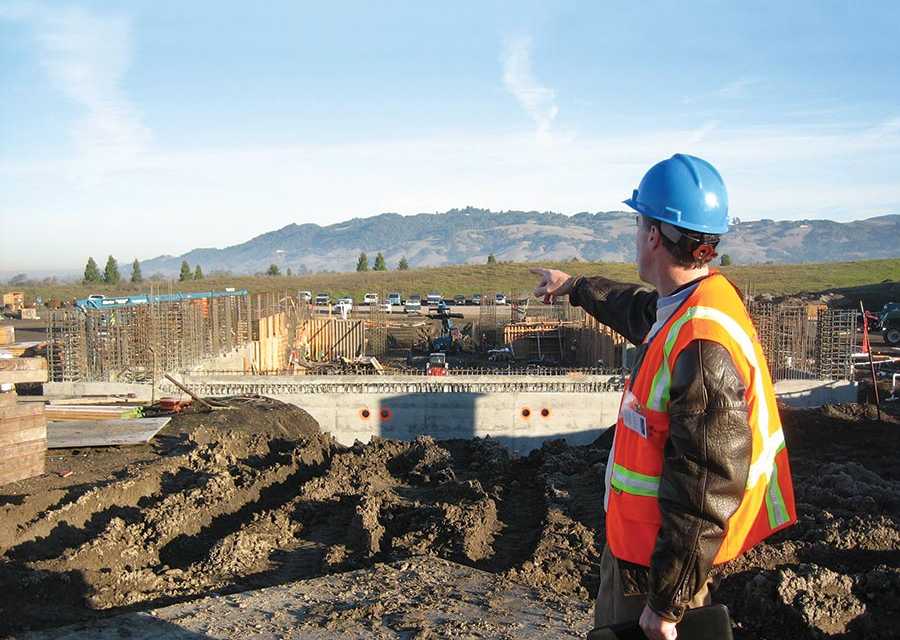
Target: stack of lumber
[(90, 412), (23, 426)]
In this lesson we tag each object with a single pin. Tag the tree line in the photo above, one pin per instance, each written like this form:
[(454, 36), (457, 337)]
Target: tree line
[(111, 275), (362, 263)]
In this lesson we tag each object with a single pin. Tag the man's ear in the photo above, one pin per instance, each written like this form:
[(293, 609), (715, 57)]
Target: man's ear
[(653, 237)]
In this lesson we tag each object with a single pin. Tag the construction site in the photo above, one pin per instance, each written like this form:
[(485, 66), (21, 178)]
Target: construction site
[(226, 464)]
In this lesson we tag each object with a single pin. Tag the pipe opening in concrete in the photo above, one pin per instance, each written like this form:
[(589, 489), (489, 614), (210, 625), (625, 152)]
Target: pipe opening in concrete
[(545, 412), (526, 412), (365, 414)]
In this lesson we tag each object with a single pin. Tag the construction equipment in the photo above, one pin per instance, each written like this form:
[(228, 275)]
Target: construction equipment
[(437, 365), (890, 324), (450, 338)]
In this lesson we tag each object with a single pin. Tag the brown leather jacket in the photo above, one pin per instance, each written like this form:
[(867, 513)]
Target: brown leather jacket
[(707, 456)]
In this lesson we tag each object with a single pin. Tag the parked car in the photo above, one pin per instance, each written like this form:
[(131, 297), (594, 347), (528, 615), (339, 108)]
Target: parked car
[(306, 296), (476, 299), (499, 299), (344, 303), (434, 299), (385, 307), (459, 300), (413, 304), (323, 299), (370, 298), (395, 298)]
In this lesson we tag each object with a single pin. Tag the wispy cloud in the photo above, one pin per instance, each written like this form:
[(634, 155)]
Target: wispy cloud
[(86, 56), (518, 78), (729, 91)]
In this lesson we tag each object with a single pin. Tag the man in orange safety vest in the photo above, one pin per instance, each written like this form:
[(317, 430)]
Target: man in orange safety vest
[(698, 471)]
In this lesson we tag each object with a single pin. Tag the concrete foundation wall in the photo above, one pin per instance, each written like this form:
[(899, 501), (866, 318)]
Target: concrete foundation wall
[(804, 394), (520, 411)]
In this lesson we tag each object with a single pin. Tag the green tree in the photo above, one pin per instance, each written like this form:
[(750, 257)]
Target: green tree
[(111, 271), (198, 273), (491, 259), (185, 273), (403, 265), (362, 264), (379, 263), (136, 276), (91, 272), (725, 260), (273, 270)]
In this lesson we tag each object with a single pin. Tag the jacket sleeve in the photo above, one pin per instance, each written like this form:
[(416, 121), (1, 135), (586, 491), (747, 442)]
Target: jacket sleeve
[(707, 459), (629, 309)]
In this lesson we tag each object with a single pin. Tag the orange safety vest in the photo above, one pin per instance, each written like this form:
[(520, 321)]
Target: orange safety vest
[(713, 311)]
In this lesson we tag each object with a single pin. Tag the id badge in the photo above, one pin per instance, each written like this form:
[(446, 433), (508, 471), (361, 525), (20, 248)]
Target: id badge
[(631, 417)]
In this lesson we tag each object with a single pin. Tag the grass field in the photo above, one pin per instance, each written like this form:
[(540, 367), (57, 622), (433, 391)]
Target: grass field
[(510, 278)]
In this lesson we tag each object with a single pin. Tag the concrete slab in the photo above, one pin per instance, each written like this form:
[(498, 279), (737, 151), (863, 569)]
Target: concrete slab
[(420, 597)]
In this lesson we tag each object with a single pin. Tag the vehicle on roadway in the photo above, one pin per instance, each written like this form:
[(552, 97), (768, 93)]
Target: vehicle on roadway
[(395, 298), (413, 304), (344, 303), (476, 299), (385, 307), (370, 298), (306, 296), (499, 299), (323, 299), (434, 299), (459, 300)]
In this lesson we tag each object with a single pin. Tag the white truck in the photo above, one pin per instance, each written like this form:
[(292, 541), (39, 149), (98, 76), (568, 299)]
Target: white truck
[(370, 298)]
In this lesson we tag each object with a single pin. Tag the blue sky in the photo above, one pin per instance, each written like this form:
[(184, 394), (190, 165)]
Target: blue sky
[(148, 127)]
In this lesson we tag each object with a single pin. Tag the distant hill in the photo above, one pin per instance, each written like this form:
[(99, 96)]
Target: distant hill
[(469, 235)]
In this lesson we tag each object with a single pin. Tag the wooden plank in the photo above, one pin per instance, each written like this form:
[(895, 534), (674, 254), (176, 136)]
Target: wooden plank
[(32, 469), (11, 425), (84, 433), (23, 435), (13, 370), (7, 398), (7, 334), (23, 364), (21, 410), (10, 452)]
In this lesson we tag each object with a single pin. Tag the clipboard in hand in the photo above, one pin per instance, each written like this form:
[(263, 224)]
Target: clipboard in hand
[(702, 623)]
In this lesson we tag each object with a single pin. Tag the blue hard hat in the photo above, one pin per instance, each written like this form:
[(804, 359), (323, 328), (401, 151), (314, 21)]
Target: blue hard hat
[(685, 191)]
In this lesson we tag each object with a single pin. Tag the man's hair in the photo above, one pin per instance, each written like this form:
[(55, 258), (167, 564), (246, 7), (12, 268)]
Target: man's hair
[(690, 249)]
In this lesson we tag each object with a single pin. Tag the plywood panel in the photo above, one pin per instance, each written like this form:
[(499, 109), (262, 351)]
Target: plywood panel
[(85, 433)]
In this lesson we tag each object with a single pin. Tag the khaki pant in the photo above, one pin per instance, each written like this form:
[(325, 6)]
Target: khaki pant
[(614, 607)]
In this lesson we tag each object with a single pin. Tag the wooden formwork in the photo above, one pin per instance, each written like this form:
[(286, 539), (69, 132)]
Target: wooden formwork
[(593, 343), (540, 338), (326, 339), (23, 426), (270, 342)]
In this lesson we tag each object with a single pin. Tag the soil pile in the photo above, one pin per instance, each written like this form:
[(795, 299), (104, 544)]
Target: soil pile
[(216, 508)]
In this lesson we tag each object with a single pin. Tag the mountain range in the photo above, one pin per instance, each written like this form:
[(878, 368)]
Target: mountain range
[(470, 235)]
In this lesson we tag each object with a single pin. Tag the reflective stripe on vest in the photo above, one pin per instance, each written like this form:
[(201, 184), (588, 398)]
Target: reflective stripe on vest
[(775, 506), (637, 484), (662, 380)]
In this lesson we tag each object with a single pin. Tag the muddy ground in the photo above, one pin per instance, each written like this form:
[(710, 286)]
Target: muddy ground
[(252, 497)]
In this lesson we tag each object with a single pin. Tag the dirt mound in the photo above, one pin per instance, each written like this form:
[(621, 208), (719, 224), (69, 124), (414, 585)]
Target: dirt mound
[(228, 507), (250, 414)]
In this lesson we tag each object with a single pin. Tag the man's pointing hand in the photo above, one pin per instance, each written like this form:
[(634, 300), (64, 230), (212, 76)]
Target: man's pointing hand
[(554, 284)]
